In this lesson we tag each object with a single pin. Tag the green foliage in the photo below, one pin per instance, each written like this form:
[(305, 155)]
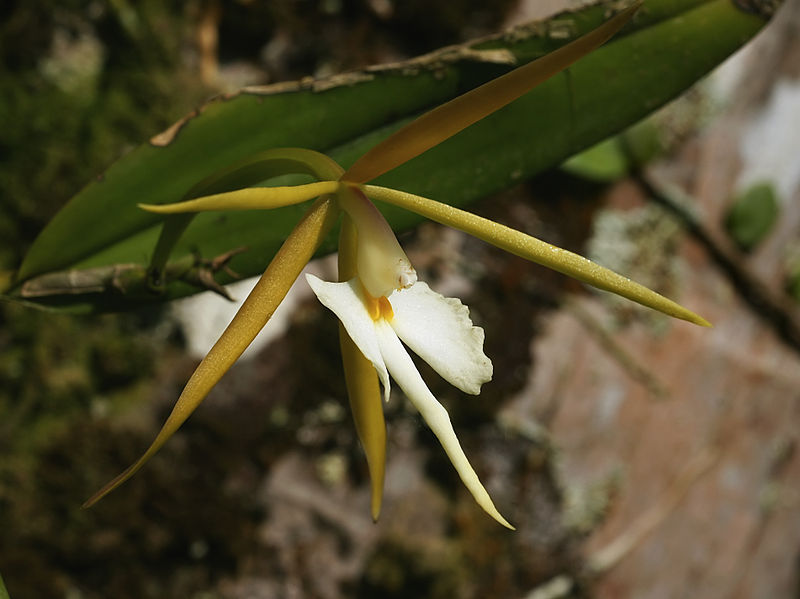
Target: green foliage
[(752, 215), (603, 162), (615, 157), (59, 376), (77, 88), (52, 369), (613, 87)]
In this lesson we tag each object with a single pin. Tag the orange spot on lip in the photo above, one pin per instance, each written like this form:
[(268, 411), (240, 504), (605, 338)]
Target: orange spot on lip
[(385, 308), (373, 308), (377, 307), (371, 304)]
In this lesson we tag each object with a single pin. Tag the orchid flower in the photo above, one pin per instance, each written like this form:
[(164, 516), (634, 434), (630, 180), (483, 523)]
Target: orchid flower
[(383, 304), (379, 301)]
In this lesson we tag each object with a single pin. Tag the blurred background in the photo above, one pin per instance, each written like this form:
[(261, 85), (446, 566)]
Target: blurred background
[(638, 457)]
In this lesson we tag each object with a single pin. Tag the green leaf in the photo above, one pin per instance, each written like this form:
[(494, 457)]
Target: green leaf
[(669, 45), (614, 157), (603, 162), (752, 215), (3, 591)]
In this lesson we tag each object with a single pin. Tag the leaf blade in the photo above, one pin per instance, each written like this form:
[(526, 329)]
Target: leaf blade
[(444, 121), (666, 48)]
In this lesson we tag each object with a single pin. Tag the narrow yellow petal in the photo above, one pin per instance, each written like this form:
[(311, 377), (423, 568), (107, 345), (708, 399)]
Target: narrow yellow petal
[(365, 402), (257, 309), (250, 198), (363, 388), (250, 171), (535, 250), (266, 165), (444, 121)]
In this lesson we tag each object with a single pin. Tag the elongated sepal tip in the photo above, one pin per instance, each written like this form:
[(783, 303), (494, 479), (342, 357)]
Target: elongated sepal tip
[(699, 320), (375, 508), (492, 511), (155, 208), (507, 524), (670, 308), (376, 474), (91, 501), (113, 484)]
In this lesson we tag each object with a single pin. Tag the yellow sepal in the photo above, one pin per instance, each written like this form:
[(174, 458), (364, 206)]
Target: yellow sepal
[(535, 250), (256, 310), (444, 121), (361, 378), (249, 198)]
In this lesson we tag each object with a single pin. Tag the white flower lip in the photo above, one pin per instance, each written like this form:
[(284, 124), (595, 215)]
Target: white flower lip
[(347, 301), (439, 330)]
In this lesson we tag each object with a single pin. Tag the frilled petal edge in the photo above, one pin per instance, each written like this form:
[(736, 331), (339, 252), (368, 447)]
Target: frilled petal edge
[(439, 330)]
